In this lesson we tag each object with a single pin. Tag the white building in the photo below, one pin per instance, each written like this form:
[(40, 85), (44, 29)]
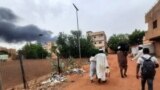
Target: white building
[(99, 39)]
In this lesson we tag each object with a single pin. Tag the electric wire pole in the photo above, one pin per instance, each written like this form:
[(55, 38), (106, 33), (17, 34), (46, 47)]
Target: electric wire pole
[(79, 43)]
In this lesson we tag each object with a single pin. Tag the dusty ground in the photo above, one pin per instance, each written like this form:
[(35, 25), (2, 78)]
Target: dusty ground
[(11, 72), (11, 76), (79, 82)]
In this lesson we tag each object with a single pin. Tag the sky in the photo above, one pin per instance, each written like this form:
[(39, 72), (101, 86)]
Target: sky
[(111, 16)]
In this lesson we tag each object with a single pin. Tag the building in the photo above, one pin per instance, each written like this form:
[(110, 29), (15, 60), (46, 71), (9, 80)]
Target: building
[(99, 39), (48, 46), (153, 33), (9, 54)]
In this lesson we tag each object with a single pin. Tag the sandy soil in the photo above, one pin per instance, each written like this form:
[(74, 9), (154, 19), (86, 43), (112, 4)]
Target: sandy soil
[(82, 82), (11, 72)]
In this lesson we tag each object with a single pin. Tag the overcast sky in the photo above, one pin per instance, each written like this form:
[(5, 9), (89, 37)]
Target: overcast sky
[(111, 16)]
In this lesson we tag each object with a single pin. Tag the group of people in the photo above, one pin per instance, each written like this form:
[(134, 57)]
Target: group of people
[(98, 66), (146, 65)]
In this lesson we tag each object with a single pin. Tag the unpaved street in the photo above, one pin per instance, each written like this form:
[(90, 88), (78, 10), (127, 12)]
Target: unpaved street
[(79, 82)]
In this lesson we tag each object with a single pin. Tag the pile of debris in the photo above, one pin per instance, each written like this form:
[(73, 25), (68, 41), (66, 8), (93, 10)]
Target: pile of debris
[(55, 79), (58, 79), (75, 71)]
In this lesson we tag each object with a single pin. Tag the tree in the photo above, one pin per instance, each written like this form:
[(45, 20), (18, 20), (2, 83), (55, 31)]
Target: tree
[(115, 40), (68, 45), (87, 47), (34, 51), (62, 45), (136, 37)]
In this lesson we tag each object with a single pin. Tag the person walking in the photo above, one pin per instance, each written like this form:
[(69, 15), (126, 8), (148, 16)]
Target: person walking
[(139, 54), (122, 61), (146, 64), (92, 67), (101, 66)]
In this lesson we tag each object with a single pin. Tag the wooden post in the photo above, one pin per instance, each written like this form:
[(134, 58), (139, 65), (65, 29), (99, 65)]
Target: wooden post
[(22, 70), (1, 86)]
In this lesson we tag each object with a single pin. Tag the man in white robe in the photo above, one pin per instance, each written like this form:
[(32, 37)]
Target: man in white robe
[(101, 66), (139, 54)]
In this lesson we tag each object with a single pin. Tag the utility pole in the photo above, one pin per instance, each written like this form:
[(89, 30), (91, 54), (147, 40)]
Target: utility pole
[(22, 70), (79, 43)]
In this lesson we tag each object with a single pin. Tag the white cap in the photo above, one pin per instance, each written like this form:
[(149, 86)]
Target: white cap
[(140, 46), (100, 49), (119, 47)]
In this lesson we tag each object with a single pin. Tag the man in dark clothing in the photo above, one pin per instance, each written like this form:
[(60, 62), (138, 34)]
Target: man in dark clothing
[(146, 64), (122, 61)]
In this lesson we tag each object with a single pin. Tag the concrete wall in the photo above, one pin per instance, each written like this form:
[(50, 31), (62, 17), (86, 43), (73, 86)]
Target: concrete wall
[(150, 17), (157, 48), (98, 37)]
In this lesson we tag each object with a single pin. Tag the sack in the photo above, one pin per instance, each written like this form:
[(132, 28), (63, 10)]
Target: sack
[(148, 68)]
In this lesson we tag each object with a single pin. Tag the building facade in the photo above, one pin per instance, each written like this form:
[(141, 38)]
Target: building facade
[(99, 39), (11, 53), (48, 46), (153, 33)]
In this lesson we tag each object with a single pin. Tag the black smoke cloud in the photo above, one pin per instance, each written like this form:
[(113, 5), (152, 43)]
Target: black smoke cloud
[(13, 33), (7, 15)]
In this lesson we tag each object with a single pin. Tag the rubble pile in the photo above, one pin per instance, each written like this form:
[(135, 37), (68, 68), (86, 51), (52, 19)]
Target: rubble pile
[(75, 71), (55, 79)]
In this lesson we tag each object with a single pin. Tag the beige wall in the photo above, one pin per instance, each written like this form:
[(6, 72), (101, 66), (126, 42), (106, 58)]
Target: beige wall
[(157, 48), (151, 16), (153, 32), (99, 39), (150, 24)]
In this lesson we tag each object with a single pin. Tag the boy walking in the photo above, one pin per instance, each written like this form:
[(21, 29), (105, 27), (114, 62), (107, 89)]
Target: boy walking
[(92, 67), (147, 65)]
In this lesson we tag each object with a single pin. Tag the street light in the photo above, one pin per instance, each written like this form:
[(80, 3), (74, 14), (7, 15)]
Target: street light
[(78, 29)]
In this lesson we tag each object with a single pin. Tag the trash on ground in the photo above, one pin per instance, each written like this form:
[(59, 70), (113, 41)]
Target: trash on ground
[(55, 79), (76, 71)]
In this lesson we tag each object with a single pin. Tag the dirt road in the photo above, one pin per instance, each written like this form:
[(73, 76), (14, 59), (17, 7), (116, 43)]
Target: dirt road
[(79, 82)]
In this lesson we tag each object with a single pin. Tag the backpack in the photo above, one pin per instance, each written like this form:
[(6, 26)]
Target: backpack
[(148, 68)]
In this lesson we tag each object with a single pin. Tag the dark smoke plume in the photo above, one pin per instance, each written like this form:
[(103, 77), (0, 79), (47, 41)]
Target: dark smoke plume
[(7, 15), (12, 33)]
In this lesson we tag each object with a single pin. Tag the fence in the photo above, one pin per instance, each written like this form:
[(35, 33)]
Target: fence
[(11, 74)]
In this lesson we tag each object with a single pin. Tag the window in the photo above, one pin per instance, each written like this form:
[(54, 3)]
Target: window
[(101, 35), (100, 42), (155, 24)]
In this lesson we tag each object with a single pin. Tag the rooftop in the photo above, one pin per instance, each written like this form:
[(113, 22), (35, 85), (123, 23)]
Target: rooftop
[(96, 33)]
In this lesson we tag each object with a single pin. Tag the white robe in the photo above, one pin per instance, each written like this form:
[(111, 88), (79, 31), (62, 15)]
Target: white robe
[(101, 64), (139, 54), (92, 67)]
